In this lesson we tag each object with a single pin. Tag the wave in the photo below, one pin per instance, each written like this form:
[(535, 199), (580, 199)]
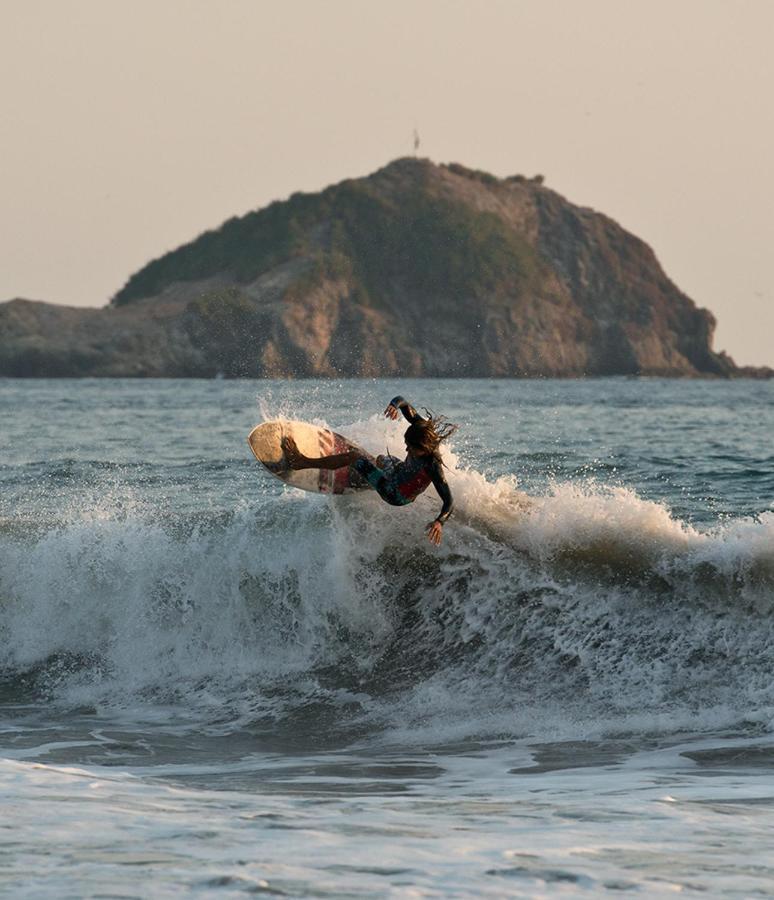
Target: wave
[(583, 610)]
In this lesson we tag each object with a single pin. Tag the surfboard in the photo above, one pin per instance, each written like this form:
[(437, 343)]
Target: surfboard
[(265, 441)]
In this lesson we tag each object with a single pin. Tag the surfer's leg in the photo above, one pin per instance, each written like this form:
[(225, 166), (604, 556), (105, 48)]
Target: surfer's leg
[(381, 480), (370, 472), (297, 460)]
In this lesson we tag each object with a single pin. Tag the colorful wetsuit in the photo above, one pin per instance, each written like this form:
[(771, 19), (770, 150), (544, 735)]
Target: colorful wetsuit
[(399, 482)]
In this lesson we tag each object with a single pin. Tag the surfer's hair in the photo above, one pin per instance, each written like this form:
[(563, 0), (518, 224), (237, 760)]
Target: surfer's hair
[(428, 434)]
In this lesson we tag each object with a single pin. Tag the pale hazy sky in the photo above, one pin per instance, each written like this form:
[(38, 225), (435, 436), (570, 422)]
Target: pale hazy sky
[(127, 127)]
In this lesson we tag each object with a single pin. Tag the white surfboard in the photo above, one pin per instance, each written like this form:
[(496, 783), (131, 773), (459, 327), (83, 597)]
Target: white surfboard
[(266, 443)]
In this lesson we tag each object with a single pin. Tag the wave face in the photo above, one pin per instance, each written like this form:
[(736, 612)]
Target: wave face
[(581, 608)]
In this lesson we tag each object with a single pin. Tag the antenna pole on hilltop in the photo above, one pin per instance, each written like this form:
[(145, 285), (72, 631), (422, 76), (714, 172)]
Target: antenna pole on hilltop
[(416, 141)]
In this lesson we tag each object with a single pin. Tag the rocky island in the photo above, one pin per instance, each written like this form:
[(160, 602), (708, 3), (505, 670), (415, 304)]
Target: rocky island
[(417, 270)]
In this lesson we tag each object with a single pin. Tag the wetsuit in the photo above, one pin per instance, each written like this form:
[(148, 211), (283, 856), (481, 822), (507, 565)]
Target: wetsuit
[(399, 482)]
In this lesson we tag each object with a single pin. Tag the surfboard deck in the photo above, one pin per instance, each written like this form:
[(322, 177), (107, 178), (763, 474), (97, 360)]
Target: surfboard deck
[(265, 441)]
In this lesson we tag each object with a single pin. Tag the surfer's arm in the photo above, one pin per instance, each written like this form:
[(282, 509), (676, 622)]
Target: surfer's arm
[(444, 492), (435, 528), (398, 404)]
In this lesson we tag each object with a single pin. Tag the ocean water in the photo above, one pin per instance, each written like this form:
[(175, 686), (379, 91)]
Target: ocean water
[(213, 685)]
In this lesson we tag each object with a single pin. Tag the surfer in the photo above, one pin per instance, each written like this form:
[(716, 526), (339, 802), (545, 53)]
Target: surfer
[(397, 482)]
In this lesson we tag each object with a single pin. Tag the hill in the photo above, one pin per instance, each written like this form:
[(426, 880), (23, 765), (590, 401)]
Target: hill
[(417, 270)]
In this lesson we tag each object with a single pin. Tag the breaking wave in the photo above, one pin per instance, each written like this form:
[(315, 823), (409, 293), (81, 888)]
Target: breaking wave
[(584, 611)]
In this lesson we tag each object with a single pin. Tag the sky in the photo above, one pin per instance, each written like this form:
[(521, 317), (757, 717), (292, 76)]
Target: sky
[(128, 127)]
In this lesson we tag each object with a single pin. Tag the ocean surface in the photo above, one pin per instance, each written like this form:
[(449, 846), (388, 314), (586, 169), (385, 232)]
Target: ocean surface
[(213, 685)]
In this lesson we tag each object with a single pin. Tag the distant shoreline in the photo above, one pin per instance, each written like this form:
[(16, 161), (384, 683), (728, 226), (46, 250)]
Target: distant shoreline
[(766, 374)]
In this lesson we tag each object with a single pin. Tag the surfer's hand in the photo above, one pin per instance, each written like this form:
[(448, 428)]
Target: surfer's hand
[(392, 412), (434, 532), (293, 455)]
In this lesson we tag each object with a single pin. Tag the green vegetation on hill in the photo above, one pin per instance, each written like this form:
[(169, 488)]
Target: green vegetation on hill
[(430, 245), (426, 244), (242, 248)]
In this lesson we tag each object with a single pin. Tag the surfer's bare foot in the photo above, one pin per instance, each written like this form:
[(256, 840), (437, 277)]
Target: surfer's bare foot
[(295, 458)]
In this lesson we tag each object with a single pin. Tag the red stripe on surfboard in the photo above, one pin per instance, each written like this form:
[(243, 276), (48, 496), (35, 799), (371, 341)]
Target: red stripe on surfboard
[(340, 476), (332, 481), (325, 476)]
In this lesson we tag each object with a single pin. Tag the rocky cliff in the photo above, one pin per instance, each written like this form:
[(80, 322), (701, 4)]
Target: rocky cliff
[(417, 270)]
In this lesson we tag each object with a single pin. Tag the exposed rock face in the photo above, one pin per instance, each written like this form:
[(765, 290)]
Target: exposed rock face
[(418, 270)]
